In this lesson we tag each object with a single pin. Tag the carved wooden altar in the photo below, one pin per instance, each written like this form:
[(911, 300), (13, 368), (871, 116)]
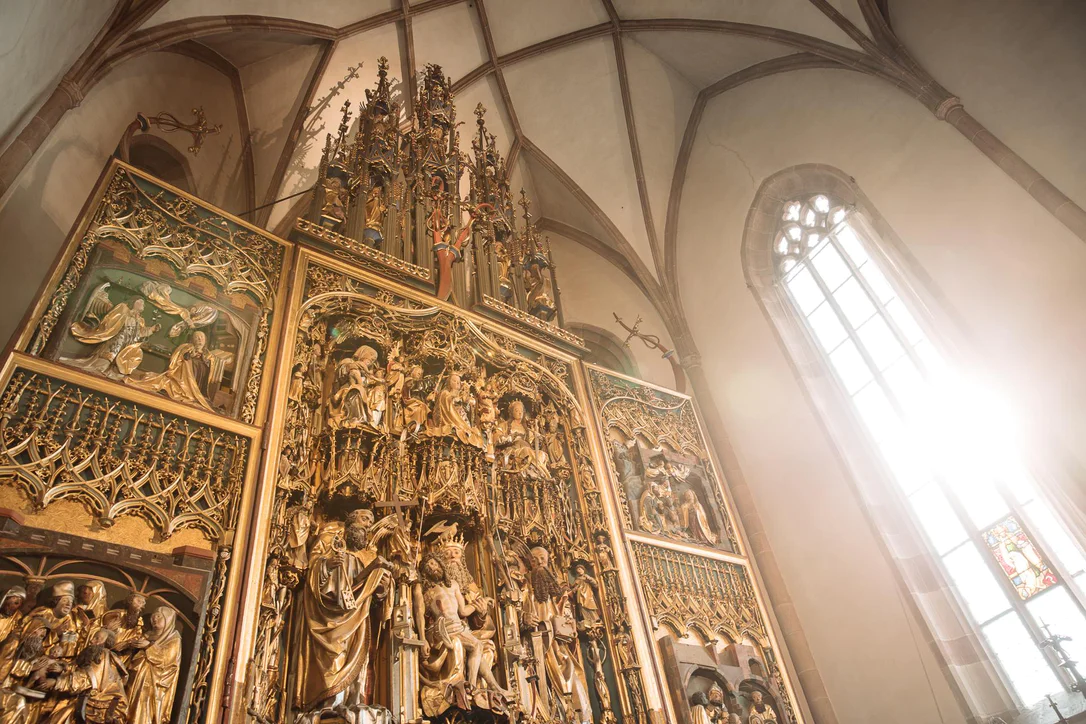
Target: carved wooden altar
[(360, 475)]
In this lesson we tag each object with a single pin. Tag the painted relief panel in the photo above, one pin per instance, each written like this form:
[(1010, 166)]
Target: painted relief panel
[(167, 296), (438, 546), (666, 484), (102, 626), (718, 650)]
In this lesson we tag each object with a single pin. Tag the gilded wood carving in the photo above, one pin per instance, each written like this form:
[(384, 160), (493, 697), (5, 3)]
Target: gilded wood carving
[(168, 296)]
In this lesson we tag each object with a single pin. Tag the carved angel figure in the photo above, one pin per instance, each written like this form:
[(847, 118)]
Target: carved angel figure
[(198, 315), (117, 339)]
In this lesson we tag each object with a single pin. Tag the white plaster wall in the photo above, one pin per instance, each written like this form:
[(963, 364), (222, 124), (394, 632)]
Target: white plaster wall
[(40, 208), (1019, 67), (593, 289), (1008, 270), (274, 90), (39, 41)]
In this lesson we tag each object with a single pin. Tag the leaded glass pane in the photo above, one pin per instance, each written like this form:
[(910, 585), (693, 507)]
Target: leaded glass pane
[(904, 321), (827, 327), (1019, 558), (850, 366), (830, 266), (882, 289), (937, 518), (852, 245), (854, 302), (1057, 615), (880, 342), (1059, 543), (805, 291), (1029, 672), (976, 584)]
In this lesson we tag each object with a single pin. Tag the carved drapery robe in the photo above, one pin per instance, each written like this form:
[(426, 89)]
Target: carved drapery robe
[(185, 379), (98, 689), (154, 676), (449, 420), (694, 520), (336, 650), (118, 338)]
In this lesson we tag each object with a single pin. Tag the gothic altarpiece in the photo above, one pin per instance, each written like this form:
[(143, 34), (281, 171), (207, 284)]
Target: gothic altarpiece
[(355, 476)]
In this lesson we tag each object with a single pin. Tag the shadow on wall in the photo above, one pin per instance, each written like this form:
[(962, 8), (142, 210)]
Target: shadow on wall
[(31, 238)]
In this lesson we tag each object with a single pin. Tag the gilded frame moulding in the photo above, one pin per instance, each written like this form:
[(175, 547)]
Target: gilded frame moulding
[(199, 271)]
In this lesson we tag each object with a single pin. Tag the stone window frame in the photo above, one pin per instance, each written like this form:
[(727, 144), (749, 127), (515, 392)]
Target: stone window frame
[(969, 667)]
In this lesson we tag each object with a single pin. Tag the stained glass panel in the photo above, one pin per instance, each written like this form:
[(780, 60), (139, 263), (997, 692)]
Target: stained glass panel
[(1019, 558)]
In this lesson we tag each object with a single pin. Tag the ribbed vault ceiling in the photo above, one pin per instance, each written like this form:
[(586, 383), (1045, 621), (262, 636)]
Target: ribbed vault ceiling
[(591, 98)]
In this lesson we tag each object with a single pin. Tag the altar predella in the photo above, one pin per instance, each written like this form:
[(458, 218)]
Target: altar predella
[(361, 475)]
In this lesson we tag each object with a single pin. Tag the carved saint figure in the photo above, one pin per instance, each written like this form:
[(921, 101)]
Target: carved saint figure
[(517, 439), (361, 392), (547, 612), (93, 687), (585, 594), (708, 708), (334, 204), (62, 629), (155, 670), (130, 627), (11, 614), (186, 377), (376, 209), (760, 711), (540, 292), (451, 416), (117, 339), (693, 519), (453, 655), (344, 602)]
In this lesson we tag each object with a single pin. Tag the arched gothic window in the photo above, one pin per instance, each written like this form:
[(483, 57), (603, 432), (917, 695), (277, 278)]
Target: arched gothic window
[(1017, 572)]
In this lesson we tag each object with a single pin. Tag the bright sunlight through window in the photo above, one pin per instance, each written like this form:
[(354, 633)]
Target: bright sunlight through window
[(949, 443)]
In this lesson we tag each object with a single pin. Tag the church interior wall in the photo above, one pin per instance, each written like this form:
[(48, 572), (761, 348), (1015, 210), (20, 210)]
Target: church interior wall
[(42, 40), (989, 250), (592, 290), (1017, 67), (38, 210)]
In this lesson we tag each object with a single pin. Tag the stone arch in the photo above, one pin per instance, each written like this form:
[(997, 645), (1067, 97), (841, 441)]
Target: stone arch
[(605, 349), (159, 158)]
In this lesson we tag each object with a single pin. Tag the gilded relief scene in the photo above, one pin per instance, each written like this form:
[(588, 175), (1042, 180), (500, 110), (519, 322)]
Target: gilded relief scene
[(664, 477), (95, 635), (159, 336), (437, 547), (166, 297)]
